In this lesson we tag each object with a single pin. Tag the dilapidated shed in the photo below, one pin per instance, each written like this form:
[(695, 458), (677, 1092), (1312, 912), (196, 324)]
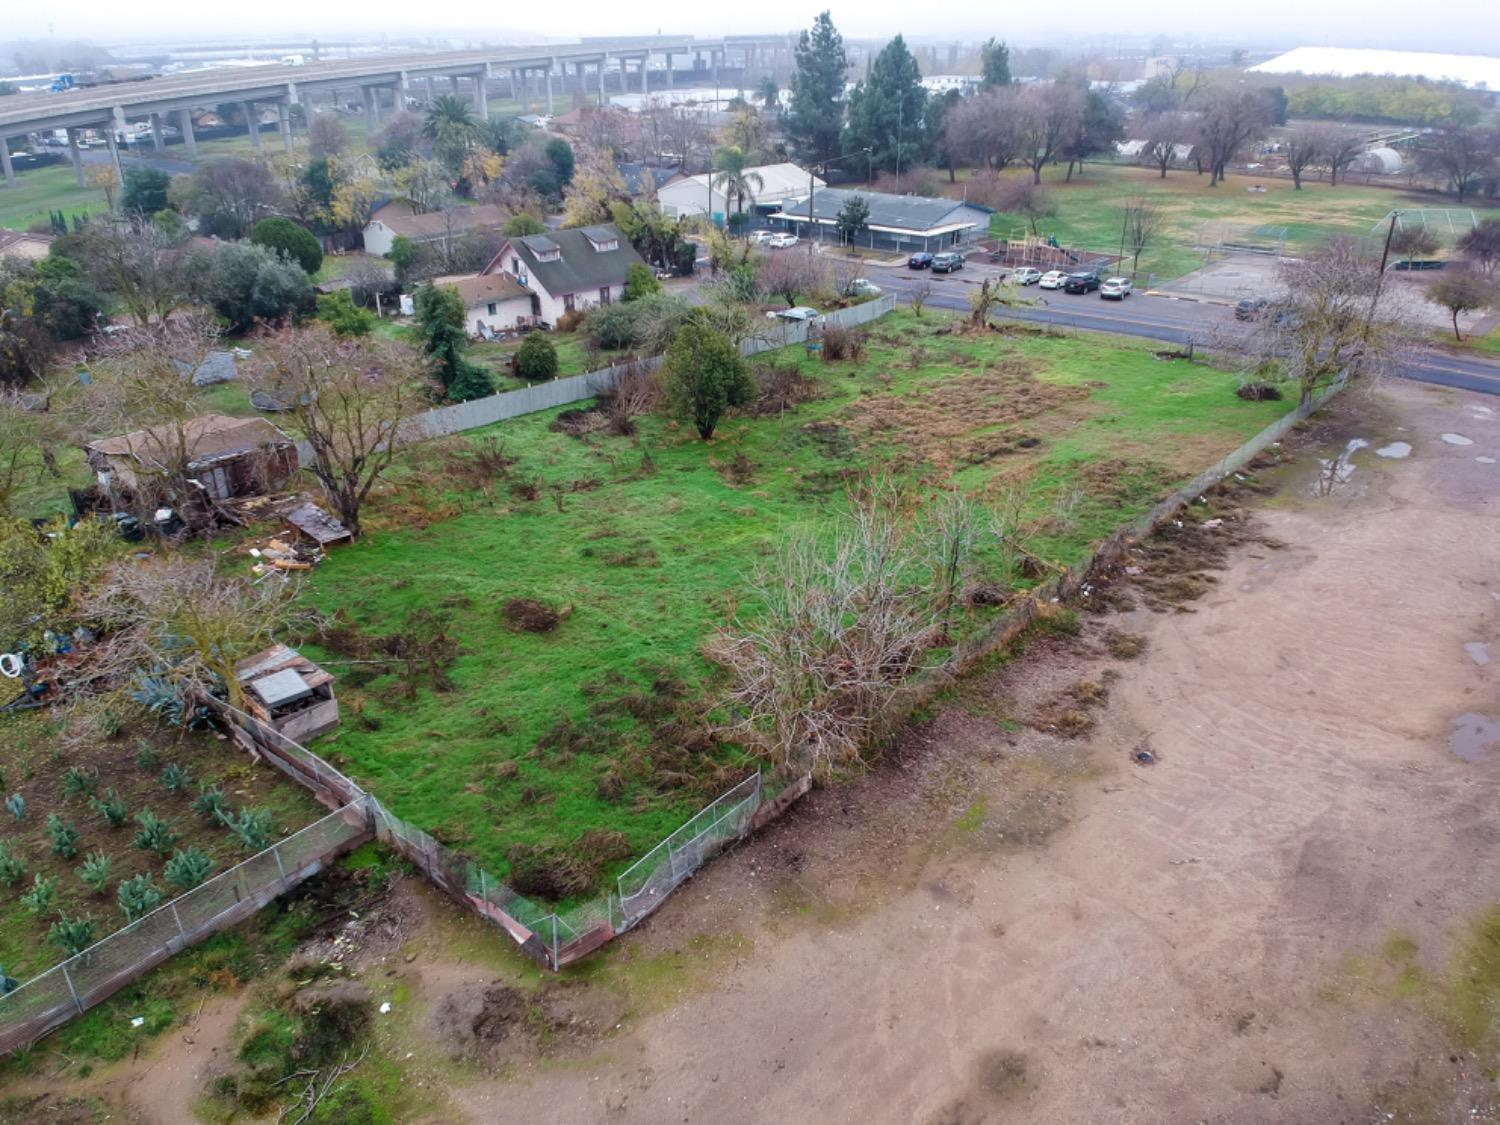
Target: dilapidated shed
[(228, 457), (288, 692)]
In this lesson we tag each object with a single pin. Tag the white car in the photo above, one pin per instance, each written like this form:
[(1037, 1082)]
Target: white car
[(1115, 288), (863, 287), (801, 312), (1026, 275), (1052, 279), (782, 241), (764, 237)]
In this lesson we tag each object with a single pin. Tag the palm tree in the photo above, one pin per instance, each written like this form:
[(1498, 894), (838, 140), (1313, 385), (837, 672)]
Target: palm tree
[(769, 93), (451, 128), (732, 177)]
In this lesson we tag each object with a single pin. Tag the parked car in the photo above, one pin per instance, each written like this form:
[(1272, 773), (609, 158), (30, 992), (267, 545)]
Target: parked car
[(1250, 308), (1115, 288), (919, 261), (763, 237), (782, 241), (947, 262), (801, 312), (1026, 275), (1082, 282), (1052, 279), (862, 287)]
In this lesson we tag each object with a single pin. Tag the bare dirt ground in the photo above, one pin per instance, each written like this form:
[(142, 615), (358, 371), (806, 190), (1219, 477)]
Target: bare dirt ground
[(1013, 920)]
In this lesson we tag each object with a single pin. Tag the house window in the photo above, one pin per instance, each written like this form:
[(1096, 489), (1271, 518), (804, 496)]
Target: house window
[(490, 308), (604, 294), (567, 302), (515, 266)]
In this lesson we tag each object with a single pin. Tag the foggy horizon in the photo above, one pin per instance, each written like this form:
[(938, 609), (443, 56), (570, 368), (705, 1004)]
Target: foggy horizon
[(1470, 26)]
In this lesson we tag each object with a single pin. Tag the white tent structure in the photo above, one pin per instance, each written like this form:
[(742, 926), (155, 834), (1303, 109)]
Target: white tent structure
[(1476, 71)]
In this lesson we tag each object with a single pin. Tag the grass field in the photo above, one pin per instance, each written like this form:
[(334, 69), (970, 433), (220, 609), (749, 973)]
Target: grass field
[(42, 190), (642, 544), (1088, 211)]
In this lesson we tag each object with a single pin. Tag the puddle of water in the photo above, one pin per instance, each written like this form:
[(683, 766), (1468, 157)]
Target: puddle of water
[(1479, 651), (1485, 460), (1336, 471), (1473, 736), (1396, 450), (1457, 439)]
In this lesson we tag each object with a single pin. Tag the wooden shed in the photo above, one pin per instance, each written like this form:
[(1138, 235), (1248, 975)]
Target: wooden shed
[(289, 693)]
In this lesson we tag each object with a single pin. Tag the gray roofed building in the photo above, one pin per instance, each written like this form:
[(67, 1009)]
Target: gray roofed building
[(568, 269), (905, 222)]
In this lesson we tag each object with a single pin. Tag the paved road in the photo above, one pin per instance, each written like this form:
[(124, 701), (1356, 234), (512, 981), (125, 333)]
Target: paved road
[(1171, 320)]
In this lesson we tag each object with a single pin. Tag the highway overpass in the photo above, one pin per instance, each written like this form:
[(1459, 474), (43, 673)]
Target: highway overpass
[(524, 70)]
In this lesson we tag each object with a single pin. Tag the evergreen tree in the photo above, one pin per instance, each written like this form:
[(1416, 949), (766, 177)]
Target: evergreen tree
[(887, 112), (816, 112), (440, 327), (994, 64)]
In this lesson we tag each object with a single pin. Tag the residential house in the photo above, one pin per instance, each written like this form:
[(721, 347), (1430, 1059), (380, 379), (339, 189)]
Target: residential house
[(493, 302), (896, 222), (568, 269), (398, 219), (227, 457), (695, 195)]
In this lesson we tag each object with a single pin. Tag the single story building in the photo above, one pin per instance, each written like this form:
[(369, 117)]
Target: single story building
[(228, 457), (398, 219), (896, 222), (697, 195), (565, 270), (493, 302)]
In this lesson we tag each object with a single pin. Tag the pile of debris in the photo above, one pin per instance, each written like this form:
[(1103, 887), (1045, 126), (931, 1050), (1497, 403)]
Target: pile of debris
[(278, 554)]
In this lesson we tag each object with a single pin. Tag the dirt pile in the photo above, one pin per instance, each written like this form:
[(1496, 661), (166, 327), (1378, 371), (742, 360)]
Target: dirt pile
[(497, 1023)]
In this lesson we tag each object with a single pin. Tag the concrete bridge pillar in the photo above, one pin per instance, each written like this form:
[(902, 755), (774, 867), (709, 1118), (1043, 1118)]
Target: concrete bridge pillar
[(5, 165), (372, 108), (284, 119), (77, 156), (525, 88), (156, 138), (112, 137), (481, 97), (669, 70), (603, 66), (645, 68), (548, 73), (189, 142), (252, 122)]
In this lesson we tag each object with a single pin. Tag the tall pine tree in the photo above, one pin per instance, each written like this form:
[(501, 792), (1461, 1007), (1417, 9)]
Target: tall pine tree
[(887, 111), (816, 113), (994, 64)]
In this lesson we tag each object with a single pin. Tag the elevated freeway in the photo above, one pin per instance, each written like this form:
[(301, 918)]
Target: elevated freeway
[(587, 66)]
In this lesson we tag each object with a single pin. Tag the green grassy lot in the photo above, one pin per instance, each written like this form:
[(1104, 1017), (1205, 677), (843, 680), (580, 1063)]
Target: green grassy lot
[(572, 357), (643, 543), (42, 190), (1088, 211), (33, 766)]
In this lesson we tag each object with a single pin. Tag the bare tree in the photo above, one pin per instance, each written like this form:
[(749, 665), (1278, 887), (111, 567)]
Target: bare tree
[(1026, 198), (1464, 155), (918, 295), (326, 135), (1229, 121), (1046, 116), (138, 262), (229, 195), (982, 130), (1336, 321), (1338, 148), (1481, 246), (1166, 133), (1460, 291), (1304, 150), (1141, 221), (350, 400), (175, 617), (785, 276), (846, 616)]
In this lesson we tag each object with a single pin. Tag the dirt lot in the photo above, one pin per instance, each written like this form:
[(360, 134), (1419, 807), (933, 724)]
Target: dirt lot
[(1016, 920)]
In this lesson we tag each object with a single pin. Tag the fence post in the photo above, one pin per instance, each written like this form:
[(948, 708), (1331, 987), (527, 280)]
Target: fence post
[(276, 851), (671, 859), (181, 932), (484, 894), (555, 965), (73, 992)]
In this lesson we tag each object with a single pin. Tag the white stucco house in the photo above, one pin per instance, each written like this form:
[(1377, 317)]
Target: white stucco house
[(397, 218), (691, 195), (565, 270), (496, 302)]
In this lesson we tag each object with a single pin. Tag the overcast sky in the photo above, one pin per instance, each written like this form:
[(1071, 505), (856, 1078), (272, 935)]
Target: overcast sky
[(1468, 26)]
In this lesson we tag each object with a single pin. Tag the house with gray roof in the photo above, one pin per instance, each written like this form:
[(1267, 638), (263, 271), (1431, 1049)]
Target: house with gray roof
[(897, 222), (565, 270)]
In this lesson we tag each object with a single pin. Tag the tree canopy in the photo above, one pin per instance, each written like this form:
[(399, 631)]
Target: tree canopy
[(887, 110), (297, 243), (815, 115), (994, 64), (705, 377)]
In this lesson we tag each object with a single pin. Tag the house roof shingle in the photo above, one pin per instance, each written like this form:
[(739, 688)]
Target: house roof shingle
[(887, 211), (209, 435), (481, 289), (436, 224), (581, 267)]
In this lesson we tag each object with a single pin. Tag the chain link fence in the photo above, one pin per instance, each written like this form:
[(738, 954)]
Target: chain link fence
[(88, 978)]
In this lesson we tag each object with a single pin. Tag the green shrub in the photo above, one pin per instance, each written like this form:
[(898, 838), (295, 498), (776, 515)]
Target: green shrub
[(640, 282), (174, 778), (156, 835), (42, 895), (95, 871), (614, 326), (64, 837), (341, 314), (71, 935), (111, 807), (186, 869), (536, 358), (522, 225), (16, 805), (146, 757), (78, 780), (12, 867), (210, 802), (252, 827), (297, 244), (138, 897)]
